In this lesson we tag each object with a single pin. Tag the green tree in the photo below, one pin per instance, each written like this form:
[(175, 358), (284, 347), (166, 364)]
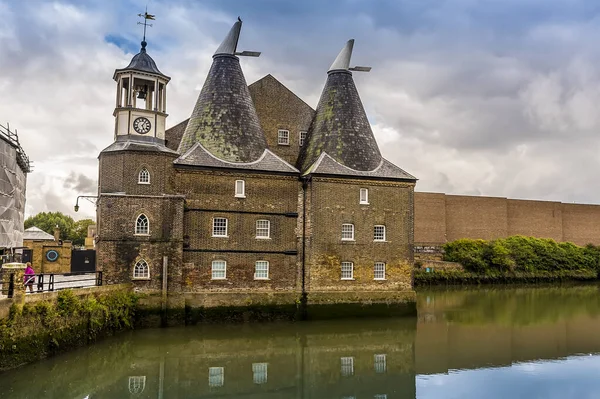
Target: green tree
[(80, 231), (71, 230)]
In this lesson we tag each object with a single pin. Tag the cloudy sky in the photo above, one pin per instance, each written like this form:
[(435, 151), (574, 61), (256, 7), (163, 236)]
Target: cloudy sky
[(479, 97)]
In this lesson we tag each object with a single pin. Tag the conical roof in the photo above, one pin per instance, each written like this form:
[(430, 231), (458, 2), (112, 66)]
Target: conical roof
[(224, 120), (143, 62), (341, 128)]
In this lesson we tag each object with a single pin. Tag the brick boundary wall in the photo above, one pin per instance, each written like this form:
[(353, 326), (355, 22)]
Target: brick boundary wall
[(441, 218)]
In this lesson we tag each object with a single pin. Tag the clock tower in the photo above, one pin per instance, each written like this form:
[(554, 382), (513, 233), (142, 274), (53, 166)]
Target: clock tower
[(141, 104)]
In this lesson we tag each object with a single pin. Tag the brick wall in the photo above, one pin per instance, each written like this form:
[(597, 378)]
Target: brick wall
[(211, 194), (119, 172), (119, 248), (440, 218), (332, 202), (278, 108)]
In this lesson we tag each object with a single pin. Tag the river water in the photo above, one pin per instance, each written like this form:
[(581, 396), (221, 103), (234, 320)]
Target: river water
[(466, 343)]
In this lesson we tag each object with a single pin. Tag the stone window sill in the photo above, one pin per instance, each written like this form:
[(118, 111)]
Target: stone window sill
[(263, 238), (240, 196), (380, 279), (380, 241), (141, 235), (141, 278), (261, 279), (347, 279), (142, 182), (220, 236), (219, 278)]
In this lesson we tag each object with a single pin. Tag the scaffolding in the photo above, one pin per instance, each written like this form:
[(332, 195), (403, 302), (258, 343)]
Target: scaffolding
[(14, 166)]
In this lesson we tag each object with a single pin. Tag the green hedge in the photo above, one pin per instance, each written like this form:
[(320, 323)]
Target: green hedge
[(457, 277), (521, 254)]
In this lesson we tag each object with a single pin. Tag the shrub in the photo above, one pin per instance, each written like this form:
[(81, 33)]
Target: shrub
[(521, 254)]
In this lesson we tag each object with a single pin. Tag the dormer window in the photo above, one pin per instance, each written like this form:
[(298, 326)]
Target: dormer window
[(240, 189), (144, 176), (364, 196), (283, 137)]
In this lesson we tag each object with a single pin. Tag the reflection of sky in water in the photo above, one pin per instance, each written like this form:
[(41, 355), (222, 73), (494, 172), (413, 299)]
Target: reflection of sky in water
[(573, 377)]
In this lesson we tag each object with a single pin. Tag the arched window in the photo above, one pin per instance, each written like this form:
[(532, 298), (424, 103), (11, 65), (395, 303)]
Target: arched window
[(141, 270), (144, 176), (142, 225), (137, 384)]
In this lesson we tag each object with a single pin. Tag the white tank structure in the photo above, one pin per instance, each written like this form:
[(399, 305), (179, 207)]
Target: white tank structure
[(14, 167)]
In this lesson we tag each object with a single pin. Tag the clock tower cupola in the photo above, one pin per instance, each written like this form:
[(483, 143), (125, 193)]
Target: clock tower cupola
[(141, 104)]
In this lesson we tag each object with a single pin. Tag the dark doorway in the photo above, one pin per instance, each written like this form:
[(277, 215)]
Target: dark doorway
[(27, 256), (83, 261)]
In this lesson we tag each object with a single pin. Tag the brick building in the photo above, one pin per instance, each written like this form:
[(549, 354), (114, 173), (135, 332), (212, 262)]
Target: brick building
[(255, 194)]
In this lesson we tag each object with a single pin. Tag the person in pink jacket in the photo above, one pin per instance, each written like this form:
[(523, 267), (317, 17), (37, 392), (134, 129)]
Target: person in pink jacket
[(29, 278)]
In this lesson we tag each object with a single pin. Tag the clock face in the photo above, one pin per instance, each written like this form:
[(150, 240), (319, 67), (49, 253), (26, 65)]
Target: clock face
[(142, 125)]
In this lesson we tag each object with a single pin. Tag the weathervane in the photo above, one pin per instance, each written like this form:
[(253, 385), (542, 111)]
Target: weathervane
[(146, 17)]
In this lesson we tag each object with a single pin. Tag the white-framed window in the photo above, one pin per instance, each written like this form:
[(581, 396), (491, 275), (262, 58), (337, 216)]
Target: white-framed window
[(380, 365), (219, 270), (347, 271), (347, 366), (259, 373), (379, 233), (283, 137), (219, 227), (240, 189), (347, 232), (216, 376), (142, 225), (302, 138), (141, 270), (144, 176), (261, 270), (364, 196), (263, 229), (137, 383), (379, 271)]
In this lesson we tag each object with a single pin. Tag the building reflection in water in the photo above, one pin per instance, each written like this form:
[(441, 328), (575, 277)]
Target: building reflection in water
[(467, 329)]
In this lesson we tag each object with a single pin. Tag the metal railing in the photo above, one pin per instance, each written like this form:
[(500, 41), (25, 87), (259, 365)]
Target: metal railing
[(50, 282)]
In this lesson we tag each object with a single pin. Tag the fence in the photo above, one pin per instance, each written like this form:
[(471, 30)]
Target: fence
[(49, 282)]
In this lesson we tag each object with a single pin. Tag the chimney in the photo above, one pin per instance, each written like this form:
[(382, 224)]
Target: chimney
[(56, 233)]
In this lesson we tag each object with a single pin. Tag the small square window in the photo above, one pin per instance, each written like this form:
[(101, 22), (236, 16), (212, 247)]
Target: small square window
[(219, 270), (379, 233), (347, 271), (219, 227), (263, 229), (283, 137), (302, 138), (261, 271), (347, 366), (379, 271), (364, 196), (216, 376), (380, 366), (240, 189), (347, 232), (259, 373)]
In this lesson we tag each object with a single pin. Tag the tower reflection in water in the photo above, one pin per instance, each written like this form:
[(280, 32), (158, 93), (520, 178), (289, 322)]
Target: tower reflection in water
[(464, 341)]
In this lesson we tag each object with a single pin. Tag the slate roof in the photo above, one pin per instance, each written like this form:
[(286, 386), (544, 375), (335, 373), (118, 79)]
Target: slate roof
[(200, 156), (174, 134), (341, 127), (34, 233), (224, 119), (125, 143), (326, 165), (143, 62)]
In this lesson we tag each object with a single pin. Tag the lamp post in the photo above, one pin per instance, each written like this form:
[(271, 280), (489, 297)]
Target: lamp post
[(87, 197)]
